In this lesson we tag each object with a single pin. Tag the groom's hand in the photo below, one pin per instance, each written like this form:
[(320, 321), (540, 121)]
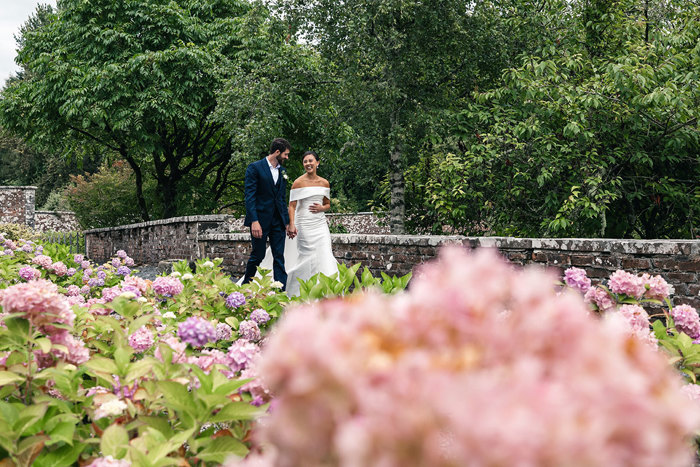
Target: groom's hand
[(291, 231), (255, 229)]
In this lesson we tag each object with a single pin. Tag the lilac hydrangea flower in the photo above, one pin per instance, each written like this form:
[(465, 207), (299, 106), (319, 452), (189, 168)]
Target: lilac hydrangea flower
[(96, 282), (71, 272), (123, 271), (235, 300), (85, 264), (29, 273), (121, 254), (101, 275), (128, 261), (249, 330), (260, 316), (27, 248), (116, 262), (196, 331), (78, 258)]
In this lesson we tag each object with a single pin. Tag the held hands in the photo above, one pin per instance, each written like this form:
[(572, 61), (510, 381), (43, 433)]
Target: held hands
[(255, 229), (291, 231)]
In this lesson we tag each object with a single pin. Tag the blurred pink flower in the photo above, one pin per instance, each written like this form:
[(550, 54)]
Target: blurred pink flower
[(577, 279), (477, 364)]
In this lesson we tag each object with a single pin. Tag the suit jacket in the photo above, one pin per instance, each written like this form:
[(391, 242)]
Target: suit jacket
[(263, 198)]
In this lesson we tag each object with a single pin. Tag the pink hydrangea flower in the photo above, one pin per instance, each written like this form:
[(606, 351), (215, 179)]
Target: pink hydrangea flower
[(178, 347), (249, 330), (600, 298), (686, 320), (59, 268), (43, 261), (72, 290), (510, 373), (40, 302), (577, 279), (136, 282), (656, 287), (623, 282), (141, 340), (167, 286)]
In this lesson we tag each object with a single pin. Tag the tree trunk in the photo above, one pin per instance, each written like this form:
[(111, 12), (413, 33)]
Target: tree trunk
[(396, 181), (168, 189), (139, 185)]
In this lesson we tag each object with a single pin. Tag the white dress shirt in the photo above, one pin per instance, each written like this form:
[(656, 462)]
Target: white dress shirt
[(275, 171)]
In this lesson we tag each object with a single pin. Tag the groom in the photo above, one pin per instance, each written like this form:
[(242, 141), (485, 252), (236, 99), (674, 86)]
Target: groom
[(266, 209)]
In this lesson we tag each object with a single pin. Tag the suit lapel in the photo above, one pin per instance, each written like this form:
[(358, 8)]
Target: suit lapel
[(266, 172)]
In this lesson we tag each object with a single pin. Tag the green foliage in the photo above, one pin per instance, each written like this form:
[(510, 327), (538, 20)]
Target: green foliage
[(346, 282), (576, 142), (105, 198), (137, 80), (16, 231)]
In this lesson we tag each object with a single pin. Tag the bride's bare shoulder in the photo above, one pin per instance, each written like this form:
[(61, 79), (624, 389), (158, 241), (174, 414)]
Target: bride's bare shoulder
[(324, 183), (299, 183)]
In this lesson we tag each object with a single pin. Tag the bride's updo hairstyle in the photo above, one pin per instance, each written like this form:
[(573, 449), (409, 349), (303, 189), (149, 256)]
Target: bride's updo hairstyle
[(313, 153)]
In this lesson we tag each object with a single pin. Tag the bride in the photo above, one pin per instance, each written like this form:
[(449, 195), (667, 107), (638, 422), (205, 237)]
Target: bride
[(309, 199), (307, 250)]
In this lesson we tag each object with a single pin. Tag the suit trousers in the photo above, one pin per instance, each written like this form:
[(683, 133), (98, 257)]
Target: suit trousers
[(276, 233)]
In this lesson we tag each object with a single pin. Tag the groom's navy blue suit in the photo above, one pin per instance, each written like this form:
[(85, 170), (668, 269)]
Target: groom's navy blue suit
[(265, 203)]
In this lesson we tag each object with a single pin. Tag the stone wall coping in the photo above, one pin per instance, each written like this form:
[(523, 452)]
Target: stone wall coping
[(55, 212), (602, 245), (427, 240), (18, 188), (171, 220), (362, 213)]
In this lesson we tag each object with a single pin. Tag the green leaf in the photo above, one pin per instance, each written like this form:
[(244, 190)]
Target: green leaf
[(18, 327), (101, 365), (236, 411), (177, 396), (62, 457), (222, 447), (8, 377), (44, 344), (62, 432), (115, 441)]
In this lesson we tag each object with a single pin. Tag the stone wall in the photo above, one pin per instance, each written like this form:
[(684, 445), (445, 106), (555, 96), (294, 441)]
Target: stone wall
[(17, 207), (55, 221), (357, 223), (17, 204), (151, 242), (678, 261)]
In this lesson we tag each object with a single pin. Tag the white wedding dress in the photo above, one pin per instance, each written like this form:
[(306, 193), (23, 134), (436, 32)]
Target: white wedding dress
[(311, 251), (313, 242)]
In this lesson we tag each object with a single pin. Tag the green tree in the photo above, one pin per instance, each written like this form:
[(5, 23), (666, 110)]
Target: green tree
[(595, 136), (138, 79)]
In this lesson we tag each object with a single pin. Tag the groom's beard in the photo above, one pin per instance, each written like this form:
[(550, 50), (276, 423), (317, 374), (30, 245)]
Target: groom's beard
[(280, 161)]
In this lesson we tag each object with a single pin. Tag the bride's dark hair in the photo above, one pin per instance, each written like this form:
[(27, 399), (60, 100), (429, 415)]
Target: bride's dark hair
[(313, 153)]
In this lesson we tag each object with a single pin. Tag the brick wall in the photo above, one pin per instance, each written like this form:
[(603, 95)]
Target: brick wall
[(17, 204), (55, 221)]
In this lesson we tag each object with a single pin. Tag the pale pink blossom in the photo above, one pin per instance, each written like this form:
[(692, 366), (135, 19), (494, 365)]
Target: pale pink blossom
[(623, 282), (656, 287), (477, 364)]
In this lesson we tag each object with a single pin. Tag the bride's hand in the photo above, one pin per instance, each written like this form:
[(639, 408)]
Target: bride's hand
[(316, 208), (291, 231)]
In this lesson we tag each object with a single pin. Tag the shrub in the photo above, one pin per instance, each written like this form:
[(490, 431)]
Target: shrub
[(106, 198)]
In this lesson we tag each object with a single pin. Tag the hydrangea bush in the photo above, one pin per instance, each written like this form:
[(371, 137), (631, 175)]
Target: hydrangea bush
[(478, 364), (100, 367)]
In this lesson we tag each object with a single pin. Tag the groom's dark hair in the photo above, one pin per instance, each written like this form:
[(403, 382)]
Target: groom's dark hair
[(280, 144)]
